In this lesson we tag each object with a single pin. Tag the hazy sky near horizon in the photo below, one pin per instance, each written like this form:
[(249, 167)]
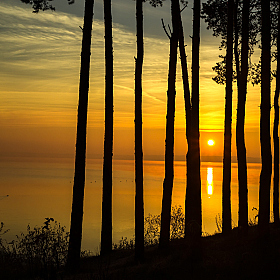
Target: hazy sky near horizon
[(39, 81)]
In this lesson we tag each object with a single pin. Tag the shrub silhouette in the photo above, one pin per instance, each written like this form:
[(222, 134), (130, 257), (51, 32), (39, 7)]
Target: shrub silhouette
[(177, 226), (152, 229), (3, 249), (41, 251)]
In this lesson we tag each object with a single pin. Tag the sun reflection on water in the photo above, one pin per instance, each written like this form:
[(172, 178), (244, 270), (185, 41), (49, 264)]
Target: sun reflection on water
[(209, 181)]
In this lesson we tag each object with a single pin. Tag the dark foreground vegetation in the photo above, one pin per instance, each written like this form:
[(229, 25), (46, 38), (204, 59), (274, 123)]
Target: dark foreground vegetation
[(41, 254)]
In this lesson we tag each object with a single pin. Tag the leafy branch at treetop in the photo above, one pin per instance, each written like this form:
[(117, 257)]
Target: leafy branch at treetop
[(43, 5)]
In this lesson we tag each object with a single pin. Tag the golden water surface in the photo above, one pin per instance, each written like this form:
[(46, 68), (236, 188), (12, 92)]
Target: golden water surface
[(37, 190)]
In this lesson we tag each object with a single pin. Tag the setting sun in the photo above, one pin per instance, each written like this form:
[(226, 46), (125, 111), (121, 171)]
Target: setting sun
[(211, 142)]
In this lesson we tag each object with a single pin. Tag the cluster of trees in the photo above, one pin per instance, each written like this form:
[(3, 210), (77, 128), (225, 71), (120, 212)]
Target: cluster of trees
[(240, 24)]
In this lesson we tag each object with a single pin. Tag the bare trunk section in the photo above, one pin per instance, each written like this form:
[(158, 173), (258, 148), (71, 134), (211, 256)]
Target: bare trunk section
[(106, 232), (187, 98), (185, 78), (228, 119), (193, 192), (80, 162), (265, 177), (169, 142), (240, 122), (275, 132), (139, 201)]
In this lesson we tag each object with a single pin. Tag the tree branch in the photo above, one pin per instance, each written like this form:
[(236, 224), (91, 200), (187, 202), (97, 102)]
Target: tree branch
[(164, 28)]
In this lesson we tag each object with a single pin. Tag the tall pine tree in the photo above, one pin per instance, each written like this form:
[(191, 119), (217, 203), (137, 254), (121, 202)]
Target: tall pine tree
[(106, 231), (169, 142), (193, 224), (226, 214)]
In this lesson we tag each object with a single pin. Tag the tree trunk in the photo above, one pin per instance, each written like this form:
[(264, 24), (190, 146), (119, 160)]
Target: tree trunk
[(275, 132), (228, 117), (193, 192), (139, 202), (187, 98), (265, 177), (240, 137), (185, 77), (106, 232), (169, 142), (80, 162)]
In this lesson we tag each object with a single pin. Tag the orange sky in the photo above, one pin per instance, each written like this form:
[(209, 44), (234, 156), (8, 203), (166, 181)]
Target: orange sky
[(40, 61)]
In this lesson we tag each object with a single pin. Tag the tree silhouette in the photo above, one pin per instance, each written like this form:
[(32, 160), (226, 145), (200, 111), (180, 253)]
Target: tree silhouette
[(187, 99), (43, 5), (265, 177), (193, 178), (139, 201), (79, 179), (193, 192), (106, 232), (169, 142), (256, 79), (214, 13), (185, 78), (75, 238), (226, 214), (275, 128), (240, 123), (246, 25)]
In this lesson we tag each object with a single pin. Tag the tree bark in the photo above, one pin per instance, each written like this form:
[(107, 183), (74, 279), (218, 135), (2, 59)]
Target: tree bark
[(275, 132), (228, 118), (139, 201), (265, 177), (106, 232), (193, 192), (240, 137), (80, 161), (169, 142)]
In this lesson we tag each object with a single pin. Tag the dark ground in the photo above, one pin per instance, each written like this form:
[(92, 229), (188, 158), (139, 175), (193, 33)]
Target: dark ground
[(214, 257)]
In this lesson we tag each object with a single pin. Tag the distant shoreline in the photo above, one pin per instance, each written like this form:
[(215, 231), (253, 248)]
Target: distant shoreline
[(70, 158)]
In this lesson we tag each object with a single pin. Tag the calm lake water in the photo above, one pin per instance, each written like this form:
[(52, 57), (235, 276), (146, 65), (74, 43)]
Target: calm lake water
[(39, 190)]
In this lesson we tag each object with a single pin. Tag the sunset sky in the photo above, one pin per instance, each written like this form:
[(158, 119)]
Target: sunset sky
[(39, 80)]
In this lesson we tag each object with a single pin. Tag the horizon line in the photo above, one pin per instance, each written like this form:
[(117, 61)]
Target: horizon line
[(60, 157)]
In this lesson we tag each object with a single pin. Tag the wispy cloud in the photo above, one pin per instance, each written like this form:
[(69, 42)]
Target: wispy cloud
[(40, 64)]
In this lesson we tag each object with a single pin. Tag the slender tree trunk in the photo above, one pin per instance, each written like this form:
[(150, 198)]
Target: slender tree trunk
[(240, 137), (193, 192), (185, 77), (106, 233), (80, 162), (265, 177), (139, 202), (228, 117), (169, 142), (275, 132), (187, 98)]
